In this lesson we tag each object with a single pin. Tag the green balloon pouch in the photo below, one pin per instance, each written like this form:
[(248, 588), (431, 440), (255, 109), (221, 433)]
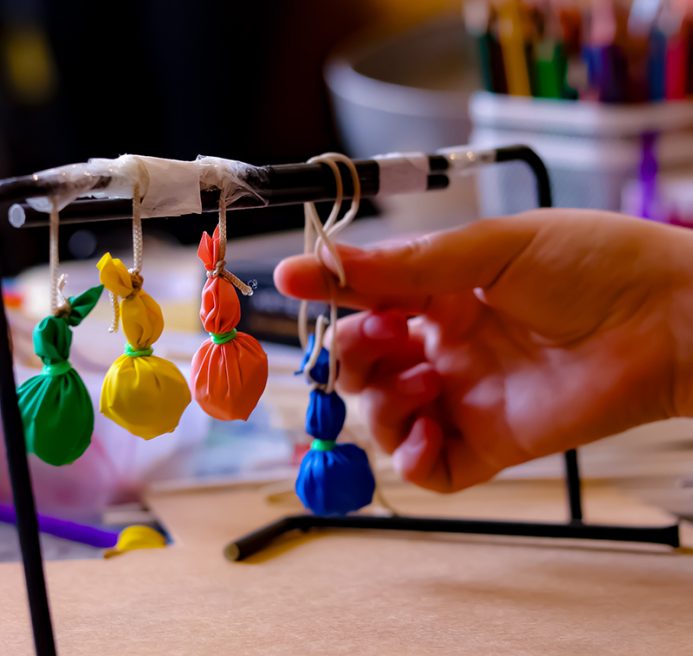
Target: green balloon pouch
[(56, 408)]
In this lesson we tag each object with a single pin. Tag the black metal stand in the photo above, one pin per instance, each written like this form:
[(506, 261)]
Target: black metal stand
[(276, 185), (256, 541), (27, 523), (574, 528)]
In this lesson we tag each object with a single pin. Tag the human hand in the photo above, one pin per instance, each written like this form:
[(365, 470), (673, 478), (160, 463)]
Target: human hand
[(530, 335)]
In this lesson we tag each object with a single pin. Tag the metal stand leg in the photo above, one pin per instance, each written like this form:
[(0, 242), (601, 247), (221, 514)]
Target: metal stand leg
[(573, 485), (27, 524)]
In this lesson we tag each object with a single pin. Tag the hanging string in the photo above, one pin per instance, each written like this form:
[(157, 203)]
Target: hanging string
[(320, 329), (137, 241), (221, 263), (115, 315), (137, 256), (317, 235), (53, 255), (378, 493), (63, 304), (320, 326), (220, 269), (332, 379), (59, 305), (314, 225)]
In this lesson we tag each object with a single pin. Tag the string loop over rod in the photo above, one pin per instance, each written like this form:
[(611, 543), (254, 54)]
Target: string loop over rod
[(319, 236)]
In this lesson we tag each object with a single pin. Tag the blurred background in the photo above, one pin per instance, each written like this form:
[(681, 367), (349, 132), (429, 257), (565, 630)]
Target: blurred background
[(600, 89), (172, 78)]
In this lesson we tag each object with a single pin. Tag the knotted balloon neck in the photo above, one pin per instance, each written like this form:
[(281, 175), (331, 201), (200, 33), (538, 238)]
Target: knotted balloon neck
[(220, 271), (322, 445), (138, 353), (223, 338), (136, 281), (56, 368), (63, 311)]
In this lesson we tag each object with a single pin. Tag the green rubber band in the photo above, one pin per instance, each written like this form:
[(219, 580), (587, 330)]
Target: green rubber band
[(135, 353), (56, 369), (322, 445), (222, 338)]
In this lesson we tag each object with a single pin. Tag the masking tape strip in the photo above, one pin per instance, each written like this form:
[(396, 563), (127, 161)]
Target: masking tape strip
[(402, 173), (463, 159), (173, 189)]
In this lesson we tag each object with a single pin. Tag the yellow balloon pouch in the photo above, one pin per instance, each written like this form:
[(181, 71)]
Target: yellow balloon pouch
[(141, 392)]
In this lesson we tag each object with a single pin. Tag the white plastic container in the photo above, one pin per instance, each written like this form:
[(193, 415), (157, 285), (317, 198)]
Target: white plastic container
[(408, 92), (591, 150)]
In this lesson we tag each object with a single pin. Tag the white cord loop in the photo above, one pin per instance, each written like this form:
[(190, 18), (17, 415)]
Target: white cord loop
[(316, 236)]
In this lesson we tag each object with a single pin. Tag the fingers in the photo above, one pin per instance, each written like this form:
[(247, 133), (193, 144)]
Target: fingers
[(305, 277), (433, 460), (374, 344), (391, 406), (417, 455), (466, 258), (384, 361)]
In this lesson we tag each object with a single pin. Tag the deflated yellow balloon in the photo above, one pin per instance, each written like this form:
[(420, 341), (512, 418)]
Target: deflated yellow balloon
[(134, 538), (141, 392)]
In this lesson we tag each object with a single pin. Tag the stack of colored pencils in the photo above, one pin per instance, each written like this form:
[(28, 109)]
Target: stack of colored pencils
[(601, 50)]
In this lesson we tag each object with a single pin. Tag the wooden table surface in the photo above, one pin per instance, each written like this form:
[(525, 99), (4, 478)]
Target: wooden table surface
[(371, 593)]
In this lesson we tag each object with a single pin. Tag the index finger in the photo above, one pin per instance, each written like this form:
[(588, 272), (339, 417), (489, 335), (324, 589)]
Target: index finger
[(408, 275)]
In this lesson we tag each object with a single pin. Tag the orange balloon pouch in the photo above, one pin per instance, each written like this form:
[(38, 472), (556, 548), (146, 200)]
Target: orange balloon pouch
[(229, 371)]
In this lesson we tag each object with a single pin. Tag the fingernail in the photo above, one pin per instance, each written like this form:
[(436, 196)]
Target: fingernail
[(383, 327), (409, 450)]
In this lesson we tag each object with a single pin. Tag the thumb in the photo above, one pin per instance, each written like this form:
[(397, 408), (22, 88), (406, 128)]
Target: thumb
[(443, 262)]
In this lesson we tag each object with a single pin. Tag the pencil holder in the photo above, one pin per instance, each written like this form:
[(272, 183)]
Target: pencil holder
[(591, 150)]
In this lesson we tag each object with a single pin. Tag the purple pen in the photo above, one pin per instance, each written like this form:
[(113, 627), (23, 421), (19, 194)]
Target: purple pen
[(65, 529), (612, 74), (648, 177)]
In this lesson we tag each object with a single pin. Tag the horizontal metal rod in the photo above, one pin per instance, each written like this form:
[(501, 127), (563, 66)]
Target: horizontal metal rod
[(256, 541), (284, 184), (22, 215)]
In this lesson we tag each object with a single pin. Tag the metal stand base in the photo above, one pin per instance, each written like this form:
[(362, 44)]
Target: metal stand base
[(256, 541), (574, 528)]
